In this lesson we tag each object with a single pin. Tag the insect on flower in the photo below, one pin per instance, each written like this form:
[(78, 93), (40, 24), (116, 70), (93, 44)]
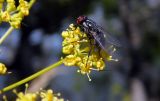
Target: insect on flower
[(102, 39), (87, 45)]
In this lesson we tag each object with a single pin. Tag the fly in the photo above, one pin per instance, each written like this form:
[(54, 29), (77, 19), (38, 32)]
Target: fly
[(102, 38)]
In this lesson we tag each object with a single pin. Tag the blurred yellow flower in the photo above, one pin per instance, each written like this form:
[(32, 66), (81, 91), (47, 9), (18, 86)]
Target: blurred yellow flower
[(5, 16), (42, 95), (26, 97), (3, 69), (23, 7), (50, 96), (13, 14), (10, 5)]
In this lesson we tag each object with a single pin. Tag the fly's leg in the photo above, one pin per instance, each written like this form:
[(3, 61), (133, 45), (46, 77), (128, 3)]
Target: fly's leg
[(99, 51), (89, 53)]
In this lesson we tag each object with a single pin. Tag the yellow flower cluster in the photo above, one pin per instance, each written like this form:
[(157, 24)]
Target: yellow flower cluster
[(3, 69), (13, 14), (79, 52), (26, 97), (49, 96), (42, 95)]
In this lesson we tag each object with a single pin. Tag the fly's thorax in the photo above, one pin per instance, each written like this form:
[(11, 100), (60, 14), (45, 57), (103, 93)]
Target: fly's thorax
[(84, 24)]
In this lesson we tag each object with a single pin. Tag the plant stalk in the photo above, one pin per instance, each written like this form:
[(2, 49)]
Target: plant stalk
[(9, 31), (32, 76)]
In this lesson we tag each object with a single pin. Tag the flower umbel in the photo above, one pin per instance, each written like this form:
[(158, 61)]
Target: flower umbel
[(13, 14), (26, 97), (79, 51), (49, 95), (41, 95)]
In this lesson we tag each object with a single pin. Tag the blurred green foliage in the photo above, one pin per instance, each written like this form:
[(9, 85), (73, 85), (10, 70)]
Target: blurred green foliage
[(110, 7)]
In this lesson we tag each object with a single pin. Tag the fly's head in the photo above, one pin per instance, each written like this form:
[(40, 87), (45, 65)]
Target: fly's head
[(81, 19)]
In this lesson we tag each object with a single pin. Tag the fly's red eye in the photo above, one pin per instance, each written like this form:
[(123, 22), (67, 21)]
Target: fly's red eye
[(80, 19)]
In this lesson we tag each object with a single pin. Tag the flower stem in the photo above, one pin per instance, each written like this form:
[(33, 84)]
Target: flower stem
[(6, 35), (31, 3), (32, 76)]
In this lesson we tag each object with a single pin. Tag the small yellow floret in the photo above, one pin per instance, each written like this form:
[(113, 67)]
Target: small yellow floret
[(50, 96), (5, 16), (10, 5), (100, 64), (26, 97), (3, 69)]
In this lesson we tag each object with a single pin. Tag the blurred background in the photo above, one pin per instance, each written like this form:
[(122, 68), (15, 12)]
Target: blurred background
[(135, 23)]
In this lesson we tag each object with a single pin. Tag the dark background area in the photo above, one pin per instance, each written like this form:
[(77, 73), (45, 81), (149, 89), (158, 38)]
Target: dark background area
[(135, 23)]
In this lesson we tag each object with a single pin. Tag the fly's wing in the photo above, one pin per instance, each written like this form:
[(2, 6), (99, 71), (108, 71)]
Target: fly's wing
[(105, 41), (109, 40), (99, 38), (101, 41)]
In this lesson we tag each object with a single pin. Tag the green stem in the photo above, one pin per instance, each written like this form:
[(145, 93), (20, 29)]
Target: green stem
[(31, 3), (32, 76), (6, 35)]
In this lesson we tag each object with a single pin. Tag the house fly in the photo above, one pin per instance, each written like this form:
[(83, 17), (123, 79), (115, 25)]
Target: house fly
[(102, 38)]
